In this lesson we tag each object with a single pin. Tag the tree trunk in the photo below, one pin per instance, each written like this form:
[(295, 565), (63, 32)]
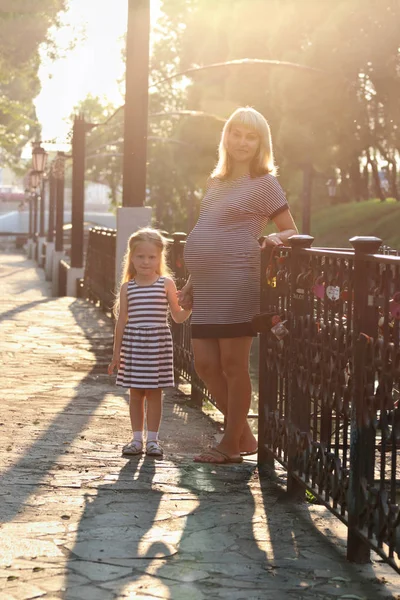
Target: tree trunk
[(308, 176), (355, 178), (344, 192), (394, 192), (365, 183), (377, 182)]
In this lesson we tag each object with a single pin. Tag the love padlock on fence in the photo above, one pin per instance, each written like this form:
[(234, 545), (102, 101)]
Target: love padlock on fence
[(394, 306), (318, 288)]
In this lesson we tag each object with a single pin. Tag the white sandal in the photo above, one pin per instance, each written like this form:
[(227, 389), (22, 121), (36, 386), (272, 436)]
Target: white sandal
[(153, 448), (132, 448)]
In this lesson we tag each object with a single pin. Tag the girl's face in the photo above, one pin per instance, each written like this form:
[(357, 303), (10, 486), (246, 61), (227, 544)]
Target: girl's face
[(146, 259), (242, 143)]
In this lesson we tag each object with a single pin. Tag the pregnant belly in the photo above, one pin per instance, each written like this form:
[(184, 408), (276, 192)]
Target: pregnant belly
[(210, 249)]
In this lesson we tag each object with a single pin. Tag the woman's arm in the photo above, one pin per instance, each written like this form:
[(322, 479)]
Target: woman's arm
[(178, 313), (286, 226), (119, 328), (185, 295)]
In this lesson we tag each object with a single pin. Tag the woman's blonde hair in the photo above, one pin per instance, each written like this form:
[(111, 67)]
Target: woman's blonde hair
[(263, 162), (152, 236)]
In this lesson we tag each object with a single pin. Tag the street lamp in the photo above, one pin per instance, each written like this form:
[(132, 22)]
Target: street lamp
[(34, 180), (39, 158)]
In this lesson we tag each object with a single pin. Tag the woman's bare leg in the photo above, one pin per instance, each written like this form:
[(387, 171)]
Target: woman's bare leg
[(235, 353), (208, 365)]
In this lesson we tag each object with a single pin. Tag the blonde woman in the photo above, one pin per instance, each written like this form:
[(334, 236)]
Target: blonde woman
[(143, 351), (222, 255)]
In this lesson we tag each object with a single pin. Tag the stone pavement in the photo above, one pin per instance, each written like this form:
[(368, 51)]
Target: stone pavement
[(81, 522)]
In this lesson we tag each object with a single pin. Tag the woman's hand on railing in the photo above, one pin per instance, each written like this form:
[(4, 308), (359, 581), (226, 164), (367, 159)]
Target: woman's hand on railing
[(272, 240)]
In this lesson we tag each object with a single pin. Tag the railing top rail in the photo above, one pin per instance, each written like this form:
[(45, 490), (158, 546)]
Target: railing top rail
[(336, 253), (103, 230), (382, 258)]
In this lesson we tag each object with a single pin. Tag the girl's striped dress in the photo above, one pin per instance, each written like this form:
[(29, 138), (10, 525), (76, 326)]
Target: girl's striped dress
[(147, 350)]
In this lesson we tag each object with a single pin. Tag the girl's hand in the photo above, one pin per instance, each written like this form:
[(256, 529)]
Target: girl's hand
[(185, 297), (114, 364), (272, 240)]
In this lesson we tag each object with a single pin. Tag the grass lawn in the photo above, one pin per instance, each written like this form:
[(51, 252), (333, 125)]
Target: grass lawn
[(334, 225)]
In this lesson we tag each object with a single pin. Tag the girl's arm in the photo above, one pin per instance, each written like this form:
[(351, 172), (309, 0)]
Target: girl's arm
[(178, 313), (119, 328), (287, 227)]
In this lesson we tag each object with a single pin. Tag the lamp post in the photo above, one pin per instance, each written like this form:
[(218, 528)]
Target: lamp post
[(39, 158), (50, 226), (34, 181), (39, 161)]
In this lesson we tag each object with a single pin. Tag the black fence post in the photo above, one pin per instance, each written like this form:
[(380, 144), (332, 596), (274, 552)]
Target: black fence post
[(362, 437), (267, 381), (298, 417)]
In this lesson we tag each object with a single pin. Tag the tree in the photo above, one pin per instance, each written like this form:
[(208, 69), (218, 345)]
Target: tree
[(25, 25)]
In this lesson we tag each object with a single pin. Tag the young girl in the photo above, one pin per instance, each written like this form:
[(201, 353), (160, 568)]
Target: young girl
[(143, 351)]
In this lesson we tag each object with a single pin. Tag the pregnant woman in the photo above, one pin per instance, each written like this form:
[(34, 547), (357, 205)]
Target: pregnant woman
[(222, 255)]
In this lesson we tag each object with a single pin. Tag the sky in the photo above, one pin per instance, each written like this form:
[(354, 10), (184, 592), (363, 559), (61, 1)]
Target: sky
[(93, 66)]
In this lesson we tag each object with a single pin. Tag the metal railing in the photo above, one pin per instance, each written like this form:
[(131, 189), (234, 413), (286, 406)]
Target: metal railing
[(329, 400), (99, 277), (329, 390)]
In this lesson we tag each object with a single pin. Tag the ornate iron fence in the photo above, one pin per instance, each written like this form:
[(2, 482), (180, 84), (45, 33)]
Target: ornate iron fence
[(183, 355), (329, 390), (99, 277)]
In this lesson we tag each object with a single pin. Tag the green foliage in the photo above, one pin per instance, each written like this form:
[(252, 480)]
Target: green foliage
[(337, 112), (24, 27), (104, 143), (337, 115)]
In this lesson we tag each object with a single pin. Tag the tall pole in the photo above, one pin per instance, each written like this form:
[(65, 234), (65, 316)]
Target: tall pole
[(50, 227), (41, 212), (136, 103), (78, 190), (35, 214), (59, 185), (30, 216)]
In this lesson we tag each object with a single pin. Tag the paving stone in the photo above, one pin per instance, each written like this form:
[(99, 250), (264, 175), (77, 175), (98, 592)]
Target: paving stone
[(79, 521)]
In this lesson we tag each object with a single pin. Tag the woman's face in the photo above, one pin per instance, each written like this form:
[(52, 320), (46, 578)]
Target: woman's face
[(242, 143)]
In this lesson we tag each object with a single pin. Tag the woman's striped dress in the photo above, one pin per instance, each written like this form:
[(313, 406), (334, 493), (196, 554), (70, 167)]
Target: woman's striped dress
[(222, 254), (147, 351)]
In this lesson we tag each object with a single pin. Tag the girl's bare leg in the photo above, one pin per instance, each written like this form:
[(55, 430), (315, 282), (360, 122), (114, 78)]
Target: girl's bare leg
[(136, 408), (154, 409), (207, 356)]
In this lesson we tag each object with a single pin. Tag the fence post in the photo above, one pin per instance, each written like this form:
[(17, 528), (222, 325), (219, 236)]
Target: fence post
[(267, 382), (362, 438), (298, 417)]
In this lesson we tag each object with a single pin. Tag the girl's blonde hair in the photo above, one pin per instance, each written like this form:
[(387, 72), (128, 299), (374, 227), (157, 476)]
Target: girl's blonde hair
[(263, 162), (152, 236)]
